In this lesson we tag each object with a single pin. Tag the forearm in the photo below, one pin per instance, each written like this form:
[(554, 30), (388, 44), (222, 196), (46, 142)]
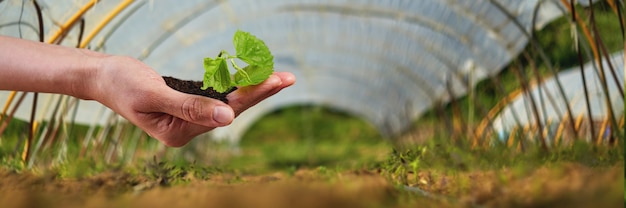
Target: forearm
[(39, 67)]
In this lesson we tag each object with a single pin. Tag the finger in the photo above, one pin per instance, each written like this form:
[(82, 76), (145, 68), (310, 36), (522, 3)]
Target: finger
[(287, 78), (175, 132), (196, 109), (246, 97)]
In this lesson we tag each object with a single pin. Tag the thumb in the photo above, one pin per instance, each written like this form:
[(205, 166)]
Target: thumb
[(197, 109)]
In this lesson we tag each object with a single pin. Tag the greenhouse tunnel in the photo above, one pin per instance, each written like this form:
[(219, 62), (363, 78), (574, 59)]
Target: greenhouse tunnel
[(387, 62)]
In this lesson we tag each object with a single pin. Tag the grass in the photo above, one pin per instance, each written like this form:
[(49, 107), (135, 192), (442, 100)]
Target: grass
[(371, 173), (363, 170), (310, 136)]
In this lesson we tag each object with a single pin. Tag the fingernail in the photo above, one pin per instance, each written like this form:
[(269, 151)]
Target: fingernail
[(223, 115)]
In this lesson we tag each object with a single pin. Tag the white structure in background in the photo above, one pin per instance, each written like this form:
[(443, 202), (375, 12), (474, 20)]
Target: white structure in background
[(553, 110), (385, 61)]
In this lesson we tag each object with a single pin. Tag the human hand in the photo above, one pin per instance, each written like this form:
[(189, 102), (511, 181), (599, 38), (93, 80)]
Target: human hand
[(139, 94), (127, 86)]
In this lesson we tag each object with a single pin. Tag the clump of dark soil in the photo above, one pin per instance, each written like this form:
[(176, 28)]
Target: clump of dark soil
[(194, 87)]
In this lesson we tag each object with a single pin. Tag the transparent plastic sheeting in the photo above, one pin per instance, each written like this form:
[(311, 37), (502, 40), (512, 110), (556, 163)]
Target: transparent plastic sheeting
[(385, 61), (519, 112)]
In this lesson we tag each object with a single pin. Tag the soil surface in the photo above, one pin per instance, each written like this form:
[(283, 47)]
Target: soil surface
[(194, 87), (570, 185)]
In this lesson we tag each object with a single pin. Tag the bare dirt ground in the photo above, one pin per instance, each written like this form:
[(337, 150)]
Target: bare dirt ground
[(570, 185)]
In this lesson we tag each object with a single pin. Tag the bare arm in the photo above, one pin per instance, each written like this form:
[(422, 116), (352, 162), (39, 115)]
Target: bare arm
[(127, 86), (37, 67)]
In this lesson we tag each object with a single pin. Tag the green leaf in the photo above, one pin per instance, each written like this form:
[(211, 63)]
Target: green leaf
[(252, 50), (255, 75), (216, 74)]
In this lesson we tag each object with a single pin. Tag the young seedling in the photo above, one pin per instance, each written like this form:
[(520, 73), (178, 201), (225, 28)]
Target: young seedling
[(218, 81), (250, 50)]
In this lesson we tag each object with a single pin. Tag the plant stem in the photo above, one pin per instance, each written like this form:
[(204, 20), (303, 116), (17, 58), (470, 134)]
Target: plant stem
[(226, 55), (245, 74)]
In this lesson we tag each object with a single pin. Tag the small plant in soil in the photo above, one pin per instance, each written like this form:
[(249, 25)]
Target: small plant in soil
[(218, 81)]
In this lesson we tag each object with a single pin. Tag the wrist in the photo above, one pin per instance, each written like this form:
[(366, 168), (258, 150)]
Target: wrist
[(83, 81)]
